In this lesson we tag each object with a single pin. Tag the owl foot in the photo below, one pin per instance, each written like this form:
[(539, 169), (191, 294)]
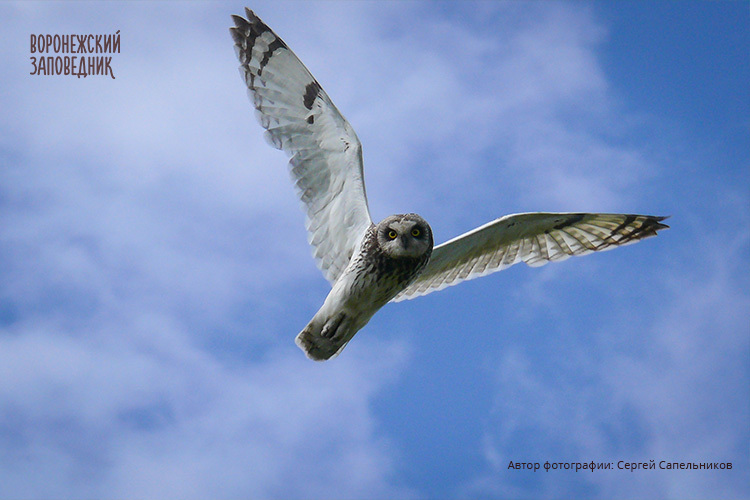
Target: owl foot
[(322, 343), (332, 326)]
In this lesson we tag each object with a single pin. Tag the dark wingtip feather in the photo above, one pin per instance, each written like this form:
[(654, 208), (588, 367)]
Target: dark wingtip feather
[(237, 35), (240, 22), (648, 228), (655, 222)]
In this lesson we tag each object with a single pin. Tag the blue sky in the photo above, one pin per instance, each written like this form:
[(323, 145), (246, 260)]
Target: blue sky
[(154, 268)]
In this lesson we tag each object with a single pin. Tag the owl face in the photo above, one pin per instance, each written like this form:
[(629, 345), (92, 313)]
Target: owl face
[(406, 235)]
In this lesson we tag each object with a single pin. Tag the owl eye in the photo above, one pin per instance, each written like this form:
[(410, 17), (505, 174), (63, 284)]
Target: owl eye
[(415, 232), (392, 234)]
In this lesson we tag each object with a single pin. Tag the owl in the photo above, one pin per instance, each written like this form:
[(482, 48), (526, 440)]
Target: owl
[(368, 264)]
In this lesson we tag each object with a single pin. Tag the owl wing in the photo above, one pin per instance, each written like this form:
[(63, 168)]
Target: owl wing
[(326, 155), (533, 238)]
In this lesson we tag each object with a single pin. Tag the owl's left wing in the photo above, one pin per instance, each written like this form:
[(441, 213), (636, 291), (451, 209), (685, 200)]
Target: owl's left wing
[(326, 155), (533, 238)]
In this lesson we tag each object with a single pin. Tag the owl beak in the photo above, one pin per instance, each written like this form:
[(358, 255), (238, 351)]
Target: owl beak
[(405, 243)]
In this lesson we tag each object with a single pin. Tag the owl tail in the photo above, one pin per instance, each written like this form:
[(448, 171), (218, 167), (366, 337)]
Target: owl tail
[(324, 338)]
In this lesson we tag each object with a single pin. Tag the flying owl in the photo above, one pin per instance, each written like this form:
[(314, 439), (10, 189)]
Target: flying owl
[(367, 264)]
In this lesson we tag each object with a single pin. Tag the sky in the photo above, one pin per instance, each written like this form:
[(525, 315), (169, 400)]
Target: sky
[(154, 267)]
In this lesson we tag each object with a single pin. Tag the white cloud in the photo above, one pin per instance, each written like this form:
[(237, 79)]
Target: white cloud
[(144, 353), (140, 410)]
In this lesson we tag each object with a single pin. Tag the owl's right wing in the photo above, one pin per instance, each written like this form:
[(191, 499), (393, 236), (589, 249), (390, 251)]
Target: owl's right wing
[(533, 238), (326, 155)]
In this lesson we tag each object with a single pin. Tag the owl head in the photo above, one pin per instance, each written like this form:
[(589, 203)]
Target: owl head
[(404, 235)]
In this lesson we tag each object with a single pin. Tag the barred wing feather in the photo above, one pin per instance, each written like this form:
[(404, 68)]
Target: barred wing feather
[(326, 155), (533, 238)]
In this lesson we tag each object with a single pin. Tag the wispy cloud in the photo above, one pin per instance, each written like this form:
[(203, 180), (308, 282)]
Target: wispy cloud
[(140, 350), (141, 411)]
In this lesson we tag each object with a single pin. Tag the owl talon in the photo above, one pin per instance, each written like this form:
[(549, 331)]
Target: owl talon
[(325, 343), (331, 327)]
